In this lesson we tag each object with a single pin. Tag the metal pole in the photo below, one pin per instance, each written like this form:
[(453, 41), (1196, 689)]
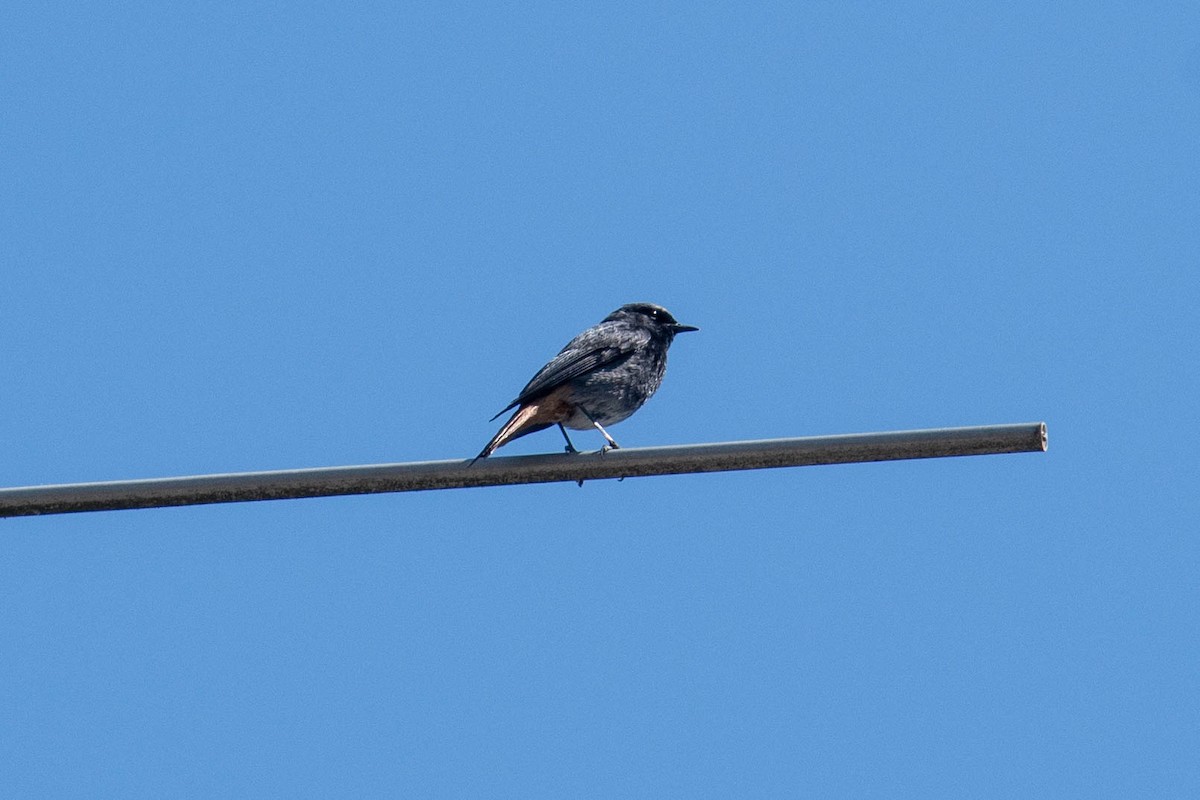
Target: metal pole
[(499, 471)]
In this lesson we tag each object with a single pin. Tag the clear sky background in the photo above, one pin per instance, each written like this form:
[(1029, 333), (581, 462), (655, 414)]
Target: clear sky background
[(265, 237)]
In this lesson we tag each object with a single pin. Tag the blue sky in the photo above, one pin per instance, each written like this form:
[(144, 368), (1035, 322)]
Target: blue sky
[(243, 238)]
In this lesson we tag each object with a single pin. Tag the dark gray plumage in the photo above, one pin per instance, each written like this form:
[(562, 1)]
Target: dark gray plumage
[(601, 377)]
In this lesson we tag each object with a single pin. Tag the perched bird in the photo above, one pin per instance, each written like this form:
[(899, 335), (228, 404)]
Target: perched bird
[(601, 377)]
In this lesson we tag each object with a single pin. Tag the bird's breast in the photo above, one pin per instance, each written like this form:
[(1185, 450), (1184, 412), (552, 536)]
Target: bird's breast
[(612, 394)]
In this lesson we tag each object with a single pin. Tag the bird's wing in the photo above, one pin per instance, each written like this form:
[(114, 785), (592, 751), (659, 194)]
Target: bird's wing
[(589, 351)]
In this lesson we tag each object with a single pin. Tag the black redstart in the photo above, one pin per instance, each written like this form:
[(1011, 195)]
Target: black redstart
[(601, 377)]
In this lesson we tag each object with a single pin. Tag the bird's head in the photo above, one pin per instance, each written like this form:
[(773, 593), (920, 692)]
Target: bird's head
[(648, 315)]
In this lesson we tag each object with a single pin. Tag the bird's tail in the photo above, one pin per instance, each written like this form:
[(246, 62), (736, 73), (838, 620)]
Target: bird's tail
[(519, 424)]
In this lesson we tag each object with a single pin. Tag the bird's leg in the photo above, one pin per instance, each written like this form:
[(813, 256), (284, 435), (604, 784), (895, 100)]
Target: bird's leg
[(570, 447), (612, 444)]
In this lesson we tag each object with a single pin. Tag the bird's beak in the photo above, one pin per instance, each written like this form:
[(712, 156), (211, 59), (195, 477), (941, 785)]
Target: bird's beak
[(677, 328)]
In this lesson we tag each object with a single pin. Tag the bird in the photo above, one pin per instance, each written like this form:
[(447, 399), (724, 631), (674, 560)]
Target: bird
[(600, 378)]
